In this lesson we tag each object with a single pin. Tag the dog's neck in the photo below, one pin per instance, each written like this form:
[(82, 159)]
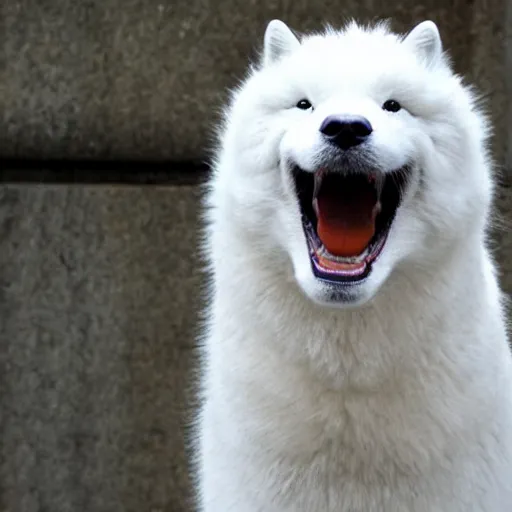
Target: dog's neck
[(417, 313)]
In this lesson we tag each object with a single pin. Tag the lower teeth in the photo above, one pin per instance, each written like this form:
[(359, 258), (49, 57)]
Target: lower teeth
[(322, 251), (315, 206)]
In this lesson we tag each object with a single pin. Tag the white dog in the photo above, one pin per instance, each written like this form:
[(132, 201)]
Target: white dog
[(355, 354)]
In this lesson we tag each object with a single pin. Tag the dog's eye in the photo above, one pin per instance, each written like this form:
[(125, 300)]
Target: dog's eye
[(392, 106), (304, 105)]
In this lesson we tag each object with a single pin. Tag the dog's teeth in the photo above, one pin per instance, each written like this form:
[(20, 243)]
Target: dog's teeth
[(379, 182), (318, 181), (315, 206)]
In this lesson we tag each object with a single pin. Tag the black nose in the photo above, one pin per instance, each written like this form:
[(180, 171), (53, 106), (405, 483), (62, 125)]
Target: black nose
[(346, 131)]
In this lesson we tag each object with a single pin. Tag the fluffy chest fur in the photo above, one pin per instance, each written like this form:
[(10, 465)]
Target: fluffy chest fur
[(403, 405)]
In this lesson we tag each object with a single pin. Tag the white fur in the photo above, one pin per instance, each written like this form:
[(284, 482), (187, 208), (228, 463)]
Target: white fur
[(400, 399)]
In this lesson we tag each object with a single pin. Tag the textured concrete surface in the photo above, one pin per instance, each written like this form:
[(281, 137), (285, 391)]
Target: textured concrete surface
[(144, 78), (99, 289)]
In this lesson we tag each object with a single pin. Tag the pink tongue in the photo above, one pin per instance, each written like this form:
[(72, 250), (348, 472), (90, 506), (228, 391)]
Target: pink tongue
[(346, 219)]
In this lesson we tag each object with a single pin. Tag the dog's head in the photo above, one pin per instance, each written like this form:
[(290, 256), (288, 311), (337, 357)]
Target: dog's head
[(355, 152)]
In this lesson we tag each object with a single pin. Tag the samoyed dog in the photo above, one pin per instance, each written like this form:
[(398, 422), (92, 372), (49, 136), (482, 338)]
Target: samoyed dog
[(355, 350)]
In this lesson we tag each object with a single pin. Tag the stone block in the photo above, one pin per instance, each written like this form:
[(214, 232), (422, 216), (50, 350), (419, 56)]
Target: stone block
[(99, 292), (98, 299), (144, 79)]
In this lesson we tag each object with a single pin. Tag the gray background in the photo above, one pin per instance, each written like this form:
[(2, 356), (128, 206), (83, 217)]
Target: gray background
[(100, 284), (142, 79)]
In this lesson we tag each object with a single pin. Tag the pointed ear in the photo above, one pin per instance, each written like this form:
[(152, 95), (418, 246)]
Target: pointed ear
[(279, 41), (424, 40)]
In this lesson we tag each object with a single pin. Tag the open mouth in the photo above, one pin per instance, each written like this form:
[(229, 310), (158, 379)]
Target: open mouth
[(347, 218)]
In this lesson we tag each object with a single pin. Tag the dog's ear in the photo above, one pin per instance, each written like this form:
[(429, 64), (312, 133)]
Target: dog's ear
[(425, 41), (279, 41)]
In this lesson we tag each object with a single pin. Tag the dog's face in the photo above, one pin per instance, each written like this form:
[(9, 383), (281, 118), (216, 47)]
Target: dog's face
[(355, 152)]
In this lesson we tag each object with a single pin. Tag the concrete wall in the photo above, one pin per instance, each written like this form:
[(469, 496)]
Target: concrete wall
[(99, 289), (143, 79), (98, 296)]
